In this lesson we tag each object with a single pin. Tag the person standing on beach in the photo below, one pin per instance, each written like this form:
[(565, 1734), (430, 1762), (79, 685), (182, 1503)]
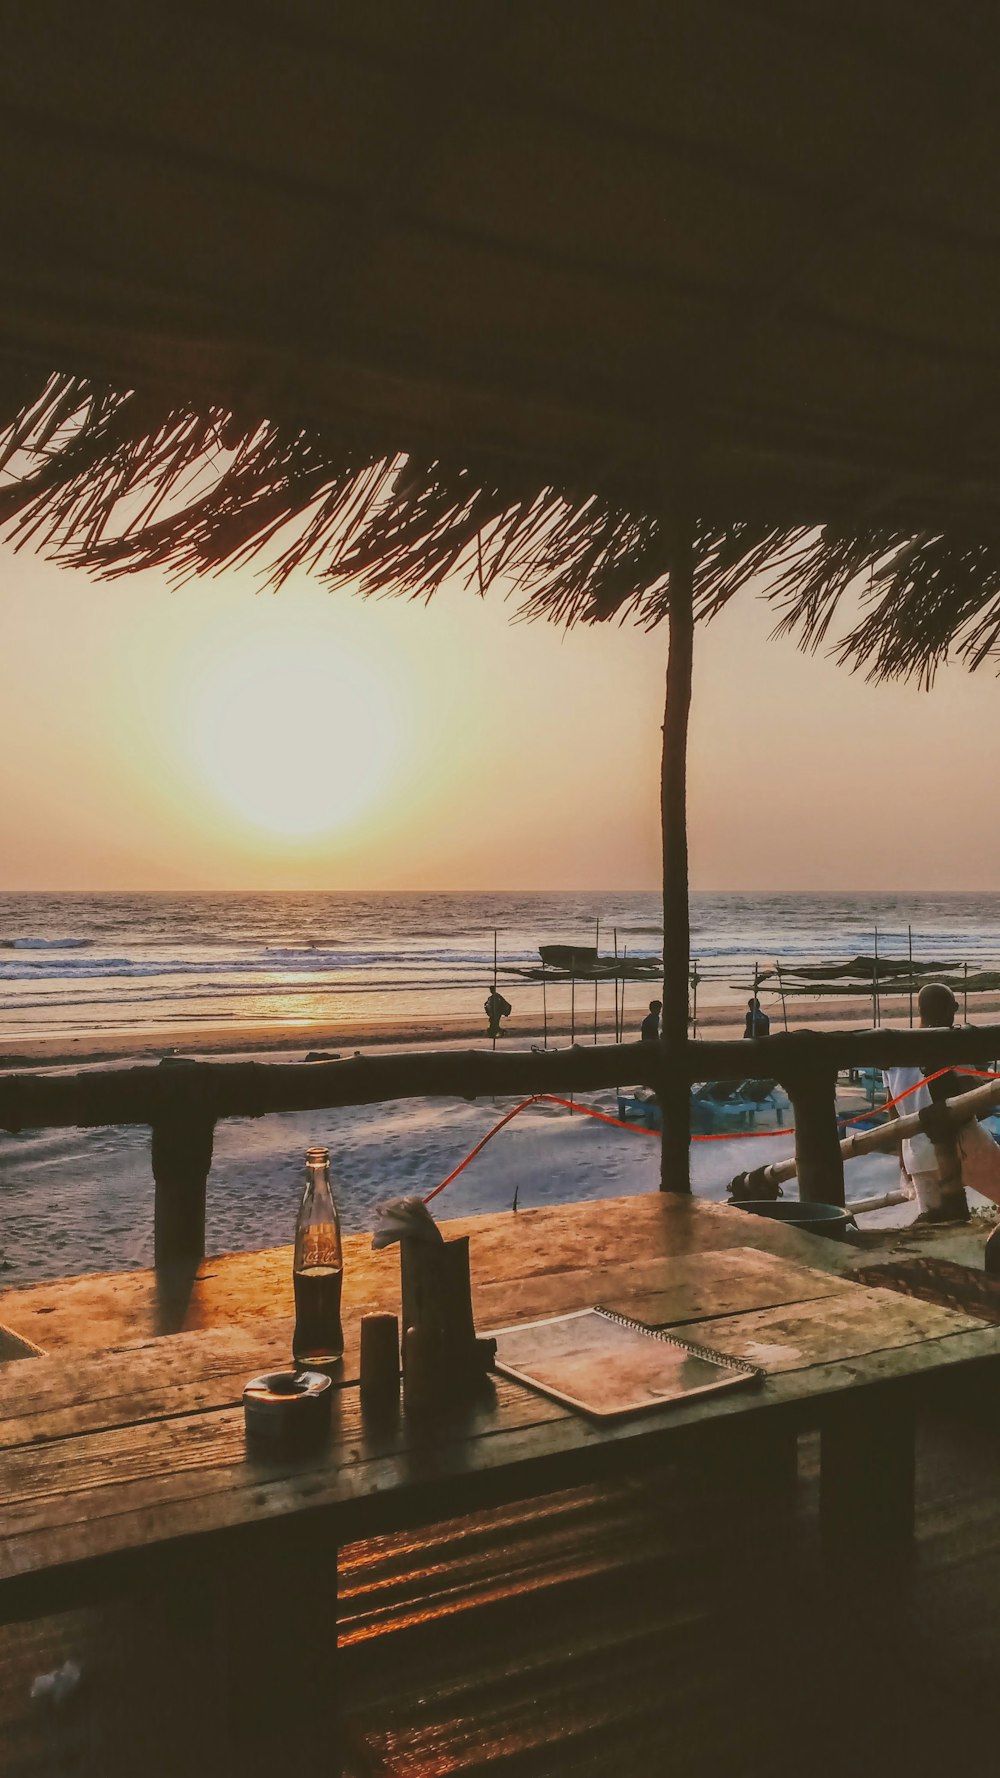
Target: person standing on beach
[(496, 1008), (939, 1198), (650, 1027), (757, 1023)]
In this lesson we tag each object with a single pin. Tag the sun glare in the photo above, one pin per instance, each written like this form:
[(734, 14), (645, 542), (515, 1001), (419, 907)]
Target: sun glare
[(294, 734)]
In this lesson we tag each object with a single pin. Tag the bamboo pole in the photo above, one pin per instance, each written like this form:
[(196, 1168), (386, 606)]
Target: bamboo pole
[(961, 1110), (545, 1009), (597, 949), (781, 991), (618, 1034), (876, 1020), (572, 1011), (674, 1094), (494, 1021), (909, 941)]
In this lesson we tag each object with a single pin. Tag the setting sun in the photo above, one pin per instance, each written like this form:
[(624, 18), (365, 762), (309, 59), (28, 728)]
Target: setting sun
[(294, 734)]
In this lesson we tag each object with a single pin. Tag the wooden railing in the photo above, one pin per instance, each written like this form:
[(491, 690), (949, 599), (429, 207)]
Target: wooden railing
[(183, 1100)]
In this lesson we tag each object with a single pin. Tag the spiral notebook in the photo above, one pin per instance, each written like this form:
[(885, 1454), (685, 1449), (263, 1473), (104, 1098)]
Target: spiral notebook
[(606, 1364)]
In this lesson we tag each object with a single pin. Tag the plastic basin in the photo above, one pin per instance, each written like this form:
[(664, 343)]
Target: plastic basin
[(816, 1219)]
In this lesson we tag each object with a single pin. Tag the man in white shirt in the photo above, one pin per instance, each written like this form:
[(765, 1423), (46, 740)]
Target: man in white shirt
[(938, 1200)]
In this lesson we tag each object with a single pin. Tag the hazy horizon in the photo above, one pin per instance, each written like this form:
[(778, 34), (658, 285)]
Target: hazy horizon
[(834, 890)]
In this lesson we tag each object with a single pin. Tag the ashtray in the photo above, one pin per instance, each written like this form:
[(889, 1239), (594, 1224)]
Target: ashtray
[(286, 1407)]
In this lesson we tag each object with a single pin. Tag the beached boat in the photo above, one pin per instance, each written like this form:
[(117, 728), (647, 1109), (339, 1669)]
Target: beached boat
[(715, 1105)]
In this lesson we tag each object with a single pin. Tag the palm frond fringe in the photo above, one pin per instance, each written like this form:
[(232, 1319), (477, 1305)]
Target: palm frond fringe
[(115, 481)]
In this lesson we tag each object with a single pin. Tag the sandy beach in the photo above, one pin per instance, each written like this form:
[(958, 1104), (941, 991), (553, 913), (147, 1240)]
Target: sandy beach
[(82, 1200), (345, 1036), (92, 981)]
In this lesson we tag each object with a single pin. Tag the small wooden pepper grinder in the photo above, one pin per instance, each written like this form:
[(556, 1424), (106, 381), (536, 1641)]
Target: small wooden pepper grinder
[(379, 1367)]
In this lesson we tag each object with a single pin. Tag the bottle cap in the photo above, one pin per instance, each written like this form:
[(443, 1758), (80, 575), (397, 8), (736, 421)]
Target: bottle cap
[(285, 1406)]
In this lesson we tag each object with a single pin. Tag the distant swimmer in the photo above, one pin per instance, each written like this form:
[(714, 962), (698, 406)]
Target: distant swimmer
[(496, 1008), (650, 1029), (757, 1023)]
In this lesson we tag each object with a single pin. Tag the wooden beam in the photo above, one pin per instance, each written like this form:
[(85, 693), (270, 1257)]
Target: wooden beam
[(778, 1056), (143, 1094)]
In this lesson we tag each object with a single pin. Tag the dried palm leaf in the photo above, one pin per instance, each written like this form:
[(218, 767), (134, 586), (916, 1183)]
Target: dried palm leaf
[(116, 481)]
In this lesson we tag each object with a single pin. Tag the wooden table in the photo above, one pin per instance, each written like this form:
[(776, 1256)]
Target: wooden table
[(121, 1466)]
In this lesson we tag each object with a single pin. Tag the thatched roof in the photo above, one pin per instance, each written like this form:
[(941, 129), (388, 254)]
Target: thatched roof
[(490, 283)]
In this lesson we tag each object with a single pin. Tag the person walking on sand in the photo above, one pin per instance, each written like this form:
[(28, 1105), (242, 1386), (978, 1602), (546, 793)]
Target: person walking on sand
[(938, 1189), (650, 1028), (757, 1023), (496, 1008)]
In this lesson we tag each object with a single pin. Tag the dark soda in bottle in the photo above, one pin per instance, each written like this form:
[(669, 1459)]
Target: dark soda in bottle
[(318, 1269)]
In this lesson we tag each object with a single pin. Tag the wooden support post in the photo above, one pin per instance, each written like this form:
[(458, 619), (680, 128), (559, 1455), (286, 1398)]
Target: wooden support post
[(867, 1477), (819, 1163), (182, 1156), (673, 1089), (275, 1598)]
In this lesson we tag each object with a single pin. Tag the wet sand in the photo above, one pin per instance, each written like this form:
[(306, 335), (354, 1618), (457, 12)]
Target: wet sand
[(341, 1036)]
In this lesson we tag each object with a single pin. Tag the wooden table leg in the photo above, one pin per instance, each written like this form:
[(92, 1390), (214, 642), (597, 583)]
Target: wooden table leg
[(867, 1476), (867, 1521), (275, 1592)]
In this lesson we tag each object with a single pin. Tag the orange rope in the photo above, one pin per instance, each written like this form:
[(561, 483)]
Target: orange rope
[(605, 1117), (481, 1145)]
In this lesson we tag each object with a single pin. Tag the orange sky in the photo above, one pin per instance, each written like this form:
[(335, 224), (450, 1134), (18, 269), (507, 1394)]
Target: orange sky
[(219, 737)]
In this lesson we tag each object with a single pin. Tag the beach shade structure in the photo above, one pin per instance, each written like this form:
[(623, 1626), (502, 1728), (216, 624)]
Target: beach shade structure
[(618, 307)]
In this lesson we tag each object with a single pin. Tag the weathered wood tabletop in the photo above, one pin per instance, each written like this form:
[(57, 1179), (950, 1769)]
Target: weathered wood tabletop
[(119, 1454), (129, 1467)]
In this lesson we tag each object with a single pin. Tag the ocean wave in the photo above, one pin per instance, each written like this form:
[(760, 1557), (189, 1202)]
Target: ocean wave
[(309, 945), (279, 965), (45, 944), (259, 998)]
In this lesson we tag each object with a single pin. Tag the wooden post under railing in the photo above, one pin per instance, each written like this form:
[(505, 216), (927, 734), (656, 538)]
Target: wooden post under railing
[(183, 1136), (818, 1160), (182, 1157)]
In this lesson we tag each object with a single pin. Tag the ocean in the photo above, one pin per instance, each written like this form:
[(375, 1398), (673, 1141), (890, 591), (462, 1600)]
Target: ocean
[(77, 965), (73, 964)]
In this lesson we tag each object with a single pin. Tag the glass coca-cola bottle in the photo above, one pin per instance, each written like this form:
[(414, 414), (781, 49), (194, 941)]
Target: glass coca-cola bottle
[(318, 1269)]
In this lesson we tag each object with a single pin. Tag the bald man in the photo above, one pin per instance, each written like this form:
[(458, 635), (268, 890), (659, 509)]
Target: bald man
[(939, 1194)]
